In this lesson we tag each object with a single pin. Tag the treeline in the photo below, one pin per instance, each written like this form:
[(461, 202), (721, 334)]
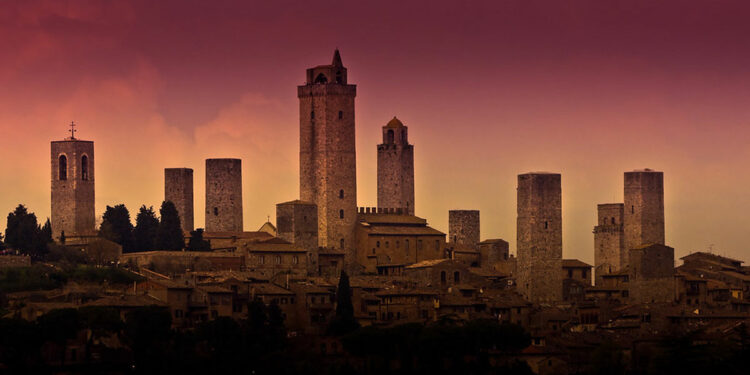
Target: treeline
[(44, 277), (25, 235)]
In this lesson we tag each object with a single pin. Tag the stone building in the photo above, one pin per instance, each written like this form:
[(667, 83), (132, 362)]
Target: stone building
[(396, 168), (463, 228), (72, 170), (328, 175), (387, 239), (224, 195), (178, 189), (651, 274), (493, 251), (644, 208), (276, 256), (609, 240), (297, 223), (539, 237)]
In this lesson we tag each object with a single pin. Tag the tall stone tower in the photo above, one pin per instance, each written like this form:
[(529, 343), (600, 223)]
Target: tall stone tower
[(609, 240), (463, 228), (644, 208), (396, 168), (178, 188), (297, 222), (224, 195), (328, 175), (539, 239), (73, 210)]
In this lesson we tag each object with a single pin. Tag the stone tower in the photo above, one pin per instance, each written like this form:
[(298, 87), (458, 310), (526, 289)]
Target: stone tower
[(463, 228), (539, 239), (224, 195), (609, 240), (328, 175), (396, 168), (644, 208), (297, 222), (73, 211), (178, 189)]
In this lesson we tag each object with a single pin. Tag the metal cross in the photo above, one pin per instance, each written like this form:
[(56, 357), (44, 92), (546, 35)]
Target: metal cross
[(72, 130)]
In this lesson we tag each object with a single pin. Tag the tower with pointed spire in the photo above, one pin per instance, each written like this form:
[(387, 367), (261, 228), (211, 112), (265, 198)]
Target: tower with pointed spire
[(72, 187), (328, 175), (396, 168)]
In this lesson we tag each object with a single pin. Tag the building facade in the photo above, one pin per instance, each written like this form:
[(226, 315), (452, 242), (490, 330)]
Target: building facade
[(463, 228), (224, 195), (539, 237), (328, 175), (178, 189), (396, 168), (609, 240), (72, 172), (644, 208)]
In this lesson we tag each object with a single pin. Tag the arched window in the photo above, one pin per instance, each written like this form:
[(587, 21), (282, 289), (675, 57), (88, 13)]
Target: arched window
[(341, 214), (341, 194), (63, 171), (389, 136), (456, 277), (403, 136), (321, 78), (341, 243), (85, 168), (338, 77), (341, 115)]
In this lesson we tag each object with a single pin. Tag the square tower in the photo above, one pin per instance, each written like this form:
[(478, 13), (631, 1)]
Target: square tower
[(609, 240), (396, 168), (328, 174), (297, 222), (224, 195), (463, 228), (539, 237), (72, 167), (644, 208), (178, 189), (651, 274)]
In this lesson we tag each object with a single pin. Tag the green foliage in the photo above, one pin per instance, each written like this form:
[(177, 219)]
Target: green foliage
[(197, 243), (169, 234), (24, 234), (2, 244), (343, 322), (116, 227), (42, 277), (146, 226)]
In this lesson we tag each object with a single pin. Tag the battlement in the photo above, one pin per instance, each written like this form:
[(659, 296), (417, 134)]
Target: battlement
[(383, 210)]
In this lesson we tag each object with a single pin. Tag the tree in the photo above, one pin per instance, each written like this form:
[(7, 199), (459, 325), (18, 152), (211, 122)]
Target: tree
[(101, 251), (344, 321), (59, 326), (24, 234), (116, 227), (147, 331), (169, 235), (46, 233), (2, 244), (197, 243), (146, 226)]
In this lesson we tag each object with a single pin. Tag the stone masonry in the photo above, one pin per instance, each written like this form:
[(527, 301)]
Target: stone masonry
[(72, 170), (297, 222), (539, 237), (224, 195), (651, 274), (328, 174), (178, 189), (644, 208), (396, 168), (463, 228), (609, 246)]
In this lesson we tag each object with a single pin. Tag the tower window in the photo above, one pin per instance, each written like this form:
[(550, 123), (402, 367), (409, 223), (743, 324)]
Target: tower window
[(312, 115), (389, 136), (321, 78), (442, 277), (456, 277), (341, 115), (632, 209), (278, 259), (386, 244), (341, 243), (63, 170), (338, 77), (216, 211), (341, 194), (341, 214), (546, 224), (85, 168), (613, 221), (377, 244)]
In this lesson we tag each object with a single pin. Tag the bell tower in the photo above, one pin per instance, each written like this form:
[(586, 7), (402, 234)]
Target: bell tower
[(328, 175), (396, 168)]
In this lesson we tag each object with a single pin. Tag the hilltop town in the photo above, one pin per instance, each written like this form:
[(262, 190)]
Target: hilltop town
[(399, 270)]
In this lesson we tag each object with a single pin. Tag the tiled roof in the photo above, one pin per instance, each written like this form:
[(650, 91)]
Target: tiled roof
[(375, 219), (127, 301)]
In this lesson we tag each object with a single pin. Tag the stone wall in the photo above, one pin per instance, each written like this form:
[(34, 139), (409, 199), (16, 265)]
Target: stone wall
[(396, 168), (644, 208), (539, 237), (328, 175), (73, 209), (492, 252), (463, 228), (178, 188), (297, 222), (651, 274), (224, 195), (609, 250)]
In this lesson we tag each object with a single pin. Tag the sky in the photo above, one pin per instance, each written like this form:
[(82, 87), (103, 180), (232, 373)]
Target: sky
[(488, 89)]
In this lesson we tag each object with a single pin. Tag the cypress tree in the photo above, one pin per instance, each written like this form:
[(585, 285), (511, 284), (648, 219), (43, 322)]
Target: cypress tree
[(169, 235), (116, 227), (146, 227)]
